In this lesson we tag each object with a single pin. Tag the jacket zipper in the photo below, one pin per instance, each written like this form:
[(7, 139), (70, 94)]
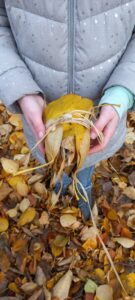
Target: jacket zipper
[(71, 11)]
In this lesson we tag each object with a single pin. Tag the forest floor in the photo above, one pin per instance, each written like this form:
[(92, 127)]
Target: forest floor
[(47, 250)]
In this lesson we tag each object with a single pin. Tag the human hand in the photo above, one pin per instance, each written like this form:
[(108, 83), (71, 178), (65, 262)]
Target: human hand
[(106, 123), (32, 107)]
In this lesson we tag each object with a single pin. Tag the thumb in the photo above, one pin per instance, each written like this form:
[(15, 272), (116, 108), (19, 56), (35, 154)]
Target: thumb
[(39, 128), (100, 124)]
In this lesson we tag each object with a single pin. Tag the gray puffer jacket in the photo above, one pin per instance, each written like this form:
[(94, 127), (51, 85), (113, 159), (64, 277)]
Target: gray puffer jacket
[(67, 46)]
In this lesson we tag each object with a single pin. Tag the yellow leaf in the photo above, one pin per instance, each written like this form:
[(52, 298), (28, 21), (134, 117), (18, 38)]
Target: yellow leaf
[(125, 242), (63, 108), (100, 274), (90, 244), (9, 166), (131, 280), (53, 143), (22, 189), (13, 181), (25, 150), (112, 215), (16, 121), (56, 251), (13, 287), (67, 220), (4, 224), (17, 135), (27, 216)]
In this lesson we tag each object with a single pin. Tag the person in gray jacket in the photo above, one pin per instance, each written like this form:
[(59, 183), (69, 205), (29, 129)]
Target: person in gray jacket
[(57, 47)]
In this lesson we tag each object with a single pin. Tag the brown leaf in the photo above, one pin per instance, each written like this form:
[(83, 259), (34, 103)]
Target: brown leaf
[(4, 261), (131, 178), (5, 190), (89, 296), (36, 295)]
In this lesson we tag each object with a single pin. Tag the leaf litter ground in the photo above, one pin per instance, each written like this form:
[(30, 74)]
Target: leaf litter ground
[(47, 250)]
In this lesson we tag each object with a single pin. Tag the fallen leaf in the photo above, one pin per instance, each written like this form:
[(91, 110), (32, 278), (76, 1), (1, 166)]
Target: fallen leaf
[(36, 295), (9, 166), (90, 244), (90, 286), (112, 215), (5, 129), (13, 181), (130, 192), (89, 233), (4, 224), (130, 136), (12, 213), (4, 261), (125, 232), (89, 296), (40, 188), (67, 220), (5, 190), (13, 287), (131, 221), (40, 276), (61, 240), (104, 292), (44, 219), (125, 242), (100, 274), (62, 287), (24, 204), (22, 189), (19, 244), (27, 216), (16, 121), (29, 287), (58, 244), (131, 280)]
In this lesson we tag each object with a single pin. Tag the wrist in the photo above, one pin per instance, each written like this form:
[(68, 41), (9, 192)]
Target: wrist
[(119, 97)]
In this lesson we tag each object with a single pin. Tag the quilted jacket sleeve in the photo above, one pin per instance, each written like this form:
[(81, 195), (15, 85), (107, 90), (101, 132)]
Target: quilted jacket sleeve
[(124, 74), (15, 78)]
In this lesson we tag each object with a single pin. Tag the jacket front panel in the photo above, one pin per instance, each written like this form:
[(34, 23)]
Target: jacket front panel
[(71, 45)]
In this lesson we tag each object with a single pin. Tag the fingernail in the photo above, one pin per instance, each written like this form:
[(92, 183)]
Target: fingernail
[(40, 134), (93, 135)]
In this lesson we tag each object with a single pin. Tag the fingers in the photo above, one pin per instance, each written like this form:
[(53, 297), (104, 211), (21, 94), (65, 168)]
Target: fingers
[(107, 133), (100, 124)]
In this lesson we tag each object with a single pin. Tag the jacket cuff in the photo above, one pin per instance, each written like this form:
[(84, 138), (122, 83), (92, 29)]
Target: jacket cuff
[(14, 84), (120, 96)]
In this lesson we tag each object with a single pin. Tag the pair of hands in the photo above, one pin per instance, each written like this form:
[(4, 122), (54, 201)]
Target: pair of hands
[(32, 107)]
